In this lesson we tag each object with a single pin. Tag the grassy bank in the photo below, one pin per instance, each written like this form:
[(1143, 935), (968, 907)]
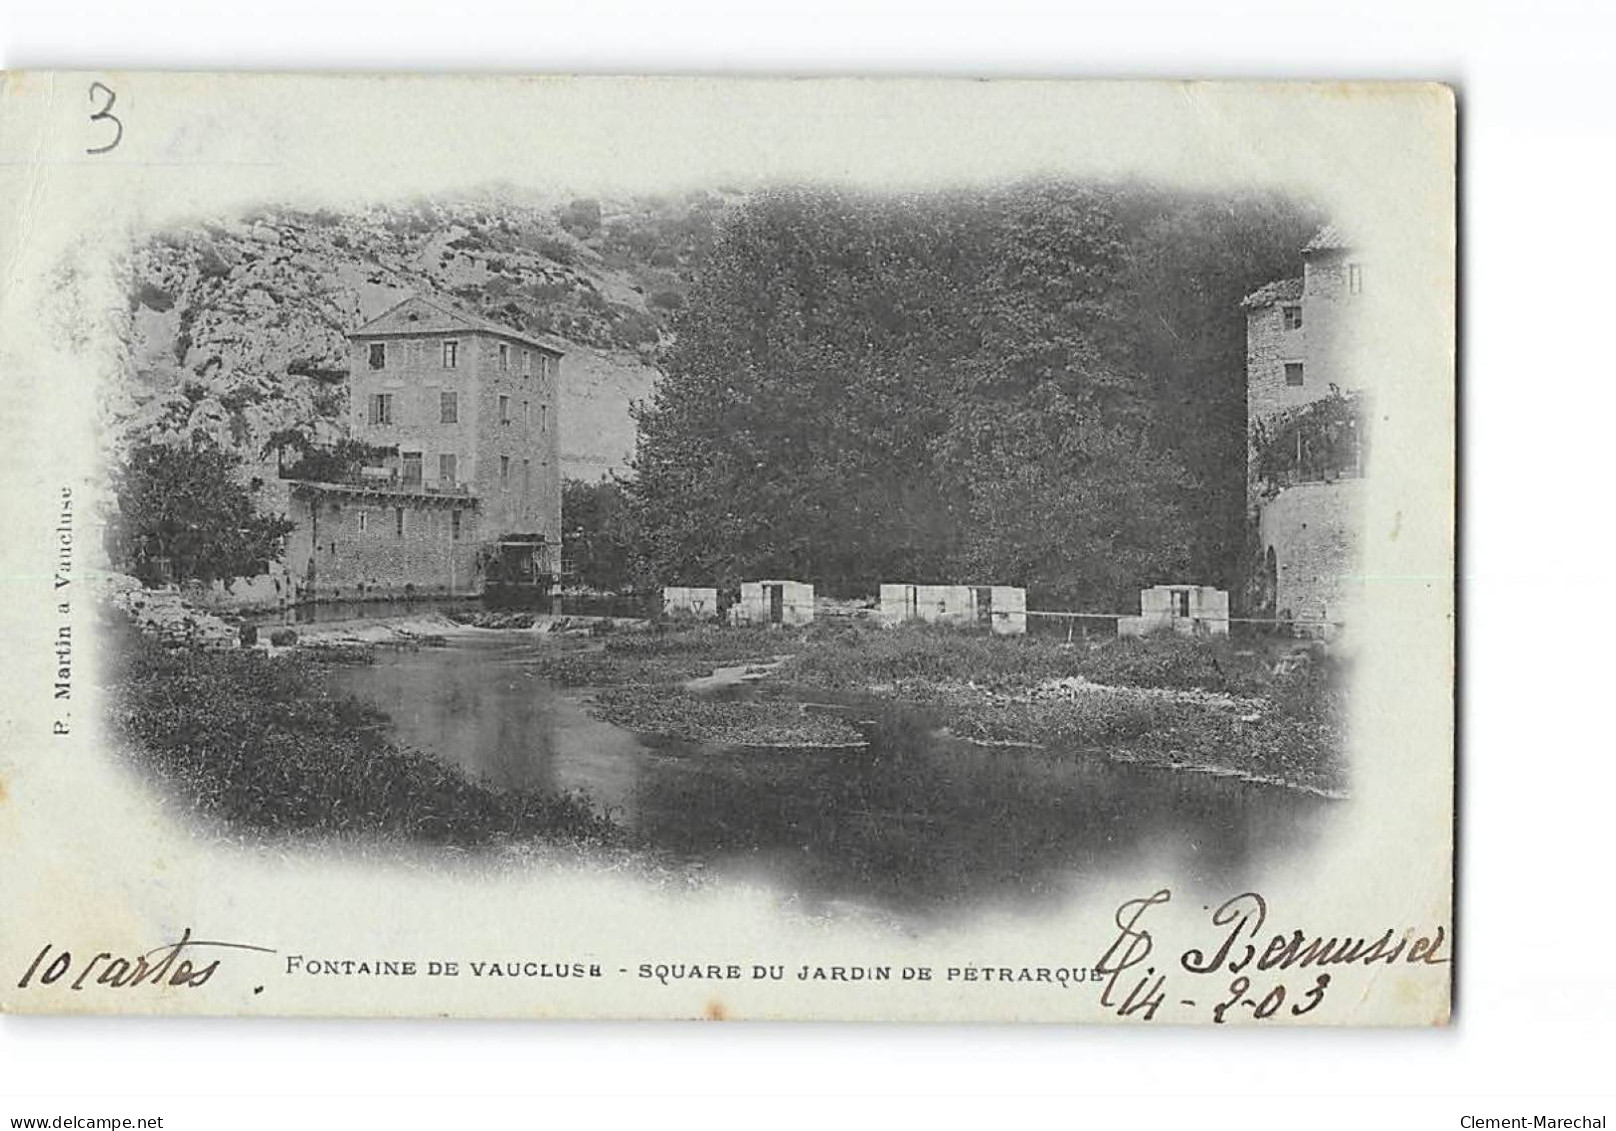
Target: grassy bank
[(1269, 709), (857, 658), (640, 685), (763, 722), (658, 657), (258, 744)]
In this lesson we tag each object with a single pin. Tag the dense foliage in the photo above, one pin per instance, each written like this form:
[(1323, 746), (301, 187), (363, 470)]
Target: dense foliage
[(338, 462), (185, 514), (1042, 385), (598, 540), (1319, 440)]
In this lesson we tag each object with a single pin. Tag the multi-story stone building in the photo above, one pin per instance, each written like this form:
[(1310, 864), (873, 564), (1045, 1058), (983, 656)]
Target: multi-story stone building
[(1305, 452), (469, 495)]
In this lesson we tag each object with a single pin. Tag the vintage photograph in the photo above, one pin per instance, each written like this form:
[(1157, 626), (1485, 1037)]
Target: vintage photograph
[(994, 554), (906, 550)]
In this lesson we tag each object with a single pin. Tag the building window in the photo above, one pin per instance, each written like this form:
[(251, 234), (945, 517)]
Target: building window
[(1293, 317), (1293, 373), (1181, 602), (544, 418), (412, 469), (504, 410), (527, 417), (1355, 278), (378, 355), (448, 408), (504, 470), (381, 408), (451, 354), (527, 477), (364, 523), (504, 357), (454, 526), (527, 361), (398, 522), (446, 470)]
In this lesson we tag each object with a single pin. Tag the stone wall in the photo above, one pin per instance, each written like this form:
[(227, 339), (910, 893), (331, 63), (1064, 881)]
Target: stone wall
[(517, 468), (352, 548), (756, 604), (1314, 531), (1005, 606), (693, 601), (504, 437), (1268, 347)]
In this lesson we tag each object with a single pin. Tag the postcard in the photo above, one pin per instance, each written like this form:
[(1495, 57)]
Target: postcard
[(860, 549)]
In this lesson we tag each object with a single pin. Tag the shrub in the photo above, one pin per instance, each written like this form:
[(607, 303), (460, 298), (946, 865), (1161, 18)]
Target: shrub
[(557, 251), (582, 217)]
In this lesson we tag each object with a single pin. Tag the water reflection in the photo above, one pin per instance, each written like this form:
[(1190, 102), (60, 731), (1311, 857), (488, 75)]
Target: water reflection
[(915, 822)]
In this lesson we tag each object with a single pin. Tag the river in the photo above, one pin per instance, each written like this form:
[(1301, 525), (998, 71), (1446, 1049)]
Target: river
[(916, 822)]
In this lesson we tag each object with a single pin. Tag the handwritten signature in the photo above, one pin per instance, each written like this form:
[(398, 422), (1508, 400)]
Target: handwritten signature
[(1242, 948), (168, 965)]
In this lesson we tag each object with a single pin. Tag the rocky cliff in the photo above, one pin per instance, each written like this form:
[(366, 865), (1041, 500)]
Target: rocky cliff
[(236, 324)]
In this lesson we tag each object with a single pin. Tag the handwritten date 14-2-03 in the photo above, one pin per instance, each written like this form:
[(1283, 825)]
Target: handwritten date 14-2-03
[(1270, 974)]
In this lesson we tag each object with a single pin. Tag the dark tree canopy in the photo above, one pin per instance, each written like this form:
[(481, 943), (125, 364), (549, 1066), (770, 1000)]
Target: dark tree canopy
[(184, 514), (1041, 385), (598, 539)]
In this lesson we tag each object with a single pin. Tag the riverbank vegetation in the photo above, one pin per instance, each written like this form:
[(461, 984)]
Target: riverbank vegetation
[(770, 721), (259, 745), (666, 655), (1268, 708)]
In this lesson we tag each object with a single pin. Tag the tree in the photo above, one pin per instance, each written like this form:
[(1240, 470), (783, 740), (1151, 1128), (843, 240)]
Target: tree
[(792, 432), (599, 539), (1065, 495), (1190, 259), (1039, 385), (183, 511)]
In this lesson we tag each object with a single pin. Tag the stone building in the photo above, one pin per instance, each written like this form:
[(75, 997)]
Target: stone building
[(469, 497), (1305, 448), (1000, 607), (774, 602), (700, 602), (1190, 610)]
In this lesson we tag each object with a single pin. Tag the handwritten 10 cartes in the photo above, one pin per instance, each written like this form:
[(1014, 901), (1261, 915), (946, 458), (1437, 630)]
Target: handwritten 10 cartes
[(1241, 920)]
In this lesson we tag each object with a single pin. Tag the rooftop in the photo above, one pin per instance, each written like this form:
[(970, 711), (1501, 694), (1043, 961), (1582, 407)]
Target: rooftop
[(1327, 238), (420, 314), (1284, 290)]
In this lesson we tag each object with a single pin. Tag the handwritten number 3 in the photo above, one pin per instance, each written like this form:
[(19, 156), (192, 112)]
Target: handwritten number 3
[(105, 114)]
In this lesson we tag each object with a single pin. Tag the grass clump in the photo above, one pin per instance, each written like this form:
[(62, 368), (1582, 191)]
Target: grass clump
[(924, 654), (658, 658), (764, 722)]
